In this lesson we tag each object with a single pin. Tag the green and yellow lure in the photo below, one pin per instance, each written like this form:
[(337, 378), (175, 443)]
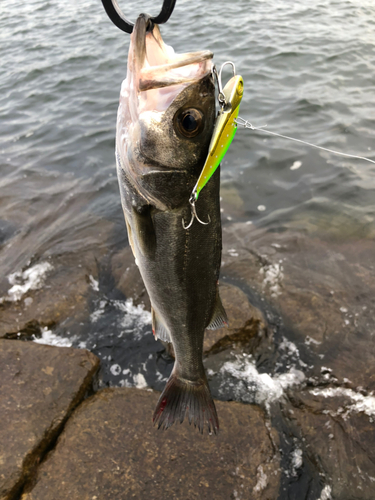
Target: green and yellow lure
[(224, 131)]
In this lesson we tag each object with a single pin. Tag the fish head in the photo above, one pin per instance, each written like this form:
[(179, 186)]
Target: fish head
[(165, 119)]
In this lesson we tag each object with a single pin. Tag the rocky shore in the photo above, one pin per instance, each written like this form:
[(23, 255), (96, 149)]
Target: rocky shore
[(293, 374)]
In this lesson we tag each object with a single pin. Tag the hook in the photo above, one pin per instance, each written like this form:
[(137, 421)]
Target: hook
[(117, 17), (194, 213), (221, 96)]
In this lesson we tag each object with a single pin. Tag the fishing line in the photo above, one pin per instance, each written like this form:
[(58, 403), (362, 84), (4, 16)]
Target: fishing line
[(246, 124)]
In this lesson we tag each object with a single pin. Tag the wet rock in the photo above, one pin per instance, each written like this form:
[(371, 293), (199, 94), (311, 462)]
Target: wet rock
[(246, 323), (39, 388), (110, 450), (128, 278), (336, 426), (61, 293), (324, 292)]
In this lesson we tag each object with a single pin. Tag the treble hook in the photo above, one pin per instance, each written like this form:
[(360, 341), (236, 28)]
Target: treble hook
[(221, 96), (194, 213), (117, 17)]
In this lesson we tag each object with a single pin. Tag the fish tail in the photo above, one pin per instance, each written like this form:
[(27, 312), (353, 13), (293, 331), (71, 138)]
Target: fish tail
[(182, 396)]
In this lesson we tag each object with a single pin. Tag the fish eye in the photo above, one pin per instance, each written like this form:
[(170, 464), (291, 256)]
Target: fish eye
[(189, 122)]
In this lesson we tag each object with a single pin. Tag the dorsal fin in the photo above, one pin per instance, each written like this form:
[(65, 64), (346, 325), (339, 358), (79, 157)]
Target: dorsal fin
[(159, 330), (219, 318)]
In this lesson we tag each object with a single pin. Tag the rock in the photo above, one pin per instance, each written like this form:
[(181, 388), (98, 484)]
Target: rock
[(324, 292), (110, 450), (338, 438), (246, 323), (128, 278), (40, 386), (62, 295), (318, 295)]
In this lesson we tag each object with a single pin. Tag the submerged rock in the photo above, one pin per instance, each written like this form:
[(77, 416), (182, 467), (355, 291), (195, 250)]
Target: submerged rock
[(110, 450), (39, 388)]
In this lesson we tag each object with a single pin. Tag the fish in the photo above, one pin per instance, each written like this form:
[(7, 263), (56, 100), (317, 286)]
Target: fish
[(165, 123)]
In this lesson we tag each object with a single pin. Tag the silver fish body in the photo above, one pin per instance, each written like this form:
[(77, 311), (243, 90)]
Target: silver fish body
[(165, 121)]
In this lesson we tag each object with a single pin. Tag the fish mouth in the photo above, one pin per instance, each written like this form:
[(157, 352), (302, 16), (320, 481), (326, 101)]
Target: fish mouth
[(186, 68), (158, 64)]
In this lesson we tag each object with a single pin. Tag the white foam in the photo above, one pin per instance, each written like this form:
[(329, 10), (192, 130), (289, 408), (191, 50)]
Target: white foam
[(98, 312), (361, 403), (296, 165), (326, 493), (49, 338), (289, 346), (136, 317), (30, 279), (233, 252), (261, 208), (310, 340), (94, 283), (296, 460), (267, 388), (115, 370), (273, 276), (139, 381), (262, 480)]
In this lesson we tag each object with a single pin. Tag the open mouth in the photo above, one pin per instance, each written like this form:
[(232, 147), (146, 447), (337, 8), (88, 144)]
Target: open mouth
[(162, 67)]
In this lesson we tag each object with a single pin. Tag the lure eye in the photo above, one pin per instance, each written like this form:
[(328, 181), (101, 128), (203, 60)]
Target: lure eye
[(240, 88), (189, 122)]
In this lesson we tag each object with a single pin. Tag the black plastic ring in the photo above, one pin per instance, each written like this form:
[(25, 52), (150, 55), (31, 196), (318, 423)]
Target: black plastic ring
[(118, 18)]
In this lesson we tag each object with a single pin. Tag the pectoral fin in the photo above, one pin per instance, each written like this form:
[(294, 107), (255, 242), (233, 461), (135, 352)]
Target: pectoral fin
[(143, 230), (219, 318), (159, 329), (130, 236)]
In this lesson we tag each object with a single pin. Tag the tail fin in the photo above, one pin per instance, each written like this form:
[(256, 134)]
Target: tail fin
[(181, 396)]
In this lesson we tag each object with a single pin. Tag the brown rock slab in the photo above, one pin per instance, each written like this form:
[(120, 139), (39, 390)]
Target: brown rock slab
[(39, 387), (110, 450)]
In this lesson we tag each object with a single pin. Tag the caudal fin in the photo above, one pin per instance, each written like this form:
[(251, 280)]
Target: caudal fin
[(182, 396)]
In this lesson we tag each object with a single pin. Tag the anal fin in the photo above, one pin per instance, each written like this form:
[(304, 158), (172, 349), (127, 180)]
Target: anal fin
[(219, 318), (159, 330)]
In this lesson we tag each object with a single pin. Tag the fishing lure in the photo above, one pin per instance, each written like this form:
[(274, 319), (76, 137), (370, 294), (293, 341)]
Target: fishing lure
[(224, 131)]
